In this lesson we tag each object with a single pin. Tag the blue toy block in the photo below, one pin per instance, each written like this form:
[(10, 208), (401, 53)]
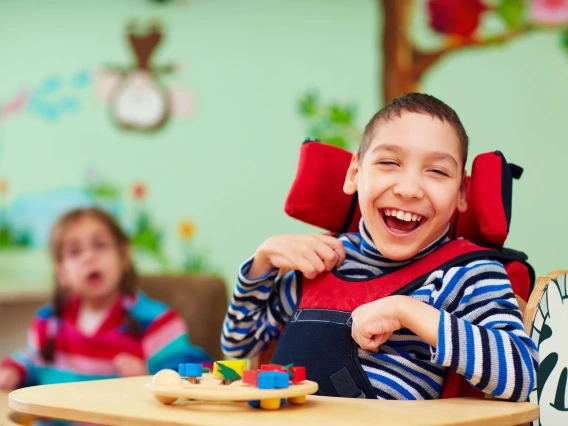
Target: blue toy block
[(273, 380), (254, 404), (190, 370)]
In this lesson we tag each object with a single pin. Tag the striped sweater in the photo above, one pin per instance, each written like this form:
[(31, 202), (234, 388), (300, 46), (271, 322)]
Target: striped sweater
[(77, 357), (480, 335)]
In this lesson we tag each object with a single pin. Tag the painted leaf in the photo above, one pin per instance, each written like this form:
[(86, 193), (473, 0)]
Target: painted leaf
[(512, 12), (308, 104)]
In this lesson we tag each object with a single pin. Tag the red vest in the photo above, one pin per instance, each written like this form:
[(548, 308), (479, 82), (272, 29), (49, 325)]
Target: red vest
[(318, 335)]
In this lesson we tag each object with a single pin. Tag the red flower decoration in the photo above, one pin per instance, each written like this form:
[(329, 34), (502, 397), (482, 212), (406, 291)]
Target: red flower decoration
[(139, 190), (455, 17)]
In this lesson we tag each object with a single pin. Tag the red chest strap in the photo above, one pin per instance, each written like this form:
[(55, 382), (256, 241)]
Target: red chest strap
[(332, 291)]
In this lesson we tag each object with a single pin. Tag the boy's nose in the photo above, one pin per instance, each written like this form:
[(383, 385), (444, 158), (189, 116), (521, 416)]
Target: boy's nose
[(409, 188)]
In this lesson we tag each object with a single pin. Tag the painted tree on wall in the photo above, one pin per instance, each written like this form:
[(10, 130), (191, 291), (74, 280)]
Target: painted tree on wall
[(459, 25), (459, 22)]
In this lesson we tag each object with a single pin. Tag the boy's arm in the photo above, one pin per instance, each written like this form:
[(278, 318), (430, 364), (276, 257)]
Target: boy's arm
[(258, 311), (481, 334)]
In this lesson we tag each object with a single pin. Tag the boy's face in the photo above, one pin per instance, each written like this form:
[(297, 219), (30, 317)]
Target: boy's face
[(410, 182)]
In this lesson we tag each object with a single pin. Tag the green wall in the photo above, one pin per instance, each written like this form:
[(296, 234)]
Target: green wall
[(230, 165)]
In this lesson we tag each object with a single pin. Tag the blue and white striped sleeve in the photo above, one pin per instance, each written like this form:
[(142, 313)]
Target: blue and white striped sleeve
[(481, 334), (258, 311)]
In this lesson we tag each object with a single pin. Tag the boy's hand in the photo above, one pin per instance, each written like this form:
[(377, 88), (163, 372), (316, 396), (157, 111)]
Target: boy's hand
[(375, 322), (9, 378), (129, 365), (311, 254)]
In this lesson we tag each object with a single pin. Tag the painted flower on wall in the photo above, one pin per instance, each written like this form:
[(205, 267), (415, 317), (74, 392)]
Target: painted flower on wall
[(549, 12), (456, 17), (139, 190), (187, 229)]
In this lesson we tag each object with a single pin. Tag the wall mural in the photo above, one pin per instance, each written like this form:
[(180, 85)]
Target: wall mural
[(136, 96), (25, 223), (138, 99), (54, 97), (457, 25)]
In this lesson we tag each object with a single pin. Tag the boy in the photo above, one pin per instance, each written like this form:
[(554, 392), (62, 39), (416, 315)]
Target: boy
[(409, 176)]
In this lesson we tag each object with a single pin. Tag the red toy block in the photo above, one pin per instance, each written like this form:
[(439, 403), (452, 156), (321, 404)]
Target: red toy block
[(299, 374), (250, 377), (272, 367)]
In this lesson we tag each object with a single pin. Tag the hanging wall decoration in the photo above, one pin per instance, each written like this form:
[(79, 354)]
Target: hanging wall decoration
[(136, 95)]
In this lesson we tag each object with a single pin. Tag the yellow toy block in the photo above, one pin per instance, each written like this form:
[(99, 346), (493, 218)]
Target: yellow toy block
[(239, 365)]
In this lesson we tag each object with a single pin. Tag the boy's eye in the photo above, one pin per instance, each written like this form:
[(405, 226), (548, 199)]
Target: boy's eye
[(439, 172), (387, 163)]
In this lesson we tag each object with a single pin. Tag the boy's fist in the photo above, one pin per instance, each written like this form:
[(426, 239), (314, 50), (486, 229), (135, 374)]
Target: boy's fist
[(375, 322)]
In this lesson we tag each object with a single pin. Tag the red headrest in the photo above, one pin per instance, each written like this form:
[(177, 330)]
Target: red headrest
[(317, 196)]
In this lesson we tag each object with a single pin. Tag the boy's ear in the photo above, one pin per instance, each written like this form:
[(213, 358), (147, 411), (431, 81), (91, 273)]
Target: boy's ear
[(352, 176), (462, 197)]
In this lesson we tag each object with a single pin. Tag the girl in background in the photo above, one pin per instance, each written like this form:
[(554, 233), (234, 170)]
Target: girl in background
[(99, 324)]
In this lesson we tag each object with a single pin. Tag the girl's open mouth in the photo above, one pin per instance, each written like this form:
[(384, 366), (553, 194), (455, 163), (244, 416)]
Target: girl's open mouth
[(94, 277), (401, 222)]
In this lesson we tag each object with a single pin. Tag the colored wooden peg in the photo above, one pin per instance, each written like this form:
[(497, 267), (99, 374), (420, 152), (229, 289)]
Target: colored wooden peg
[(254, 403), (270, 404), (273, 380), (273, 367), (297, 400), (298, 374), (250, 377), (227, 373), (238, 365), (191, 371)]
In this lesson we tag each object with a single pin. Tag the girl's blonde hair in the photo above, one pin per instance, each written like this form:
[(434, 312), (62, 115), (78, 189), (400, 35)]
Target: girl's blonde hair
[(128, 283)]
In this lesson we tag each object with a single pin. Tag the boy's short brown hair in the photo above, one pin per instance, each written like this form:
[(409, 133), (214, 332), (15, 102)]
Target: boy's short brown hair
[(419, 103)]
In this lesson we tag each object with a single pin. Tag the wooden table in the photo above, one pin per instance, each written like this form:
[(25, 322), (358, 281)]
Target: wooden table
[(127, 402), (8, 417)]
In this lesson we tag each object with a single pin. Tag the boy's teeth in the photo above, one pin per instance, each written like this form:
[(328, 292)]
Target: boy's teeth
[(401, 215)]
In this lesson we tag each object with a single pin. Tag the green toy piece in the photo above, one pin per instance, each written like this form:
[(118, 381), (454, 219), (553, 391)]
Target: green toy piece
[(229, 375), (287, 367)]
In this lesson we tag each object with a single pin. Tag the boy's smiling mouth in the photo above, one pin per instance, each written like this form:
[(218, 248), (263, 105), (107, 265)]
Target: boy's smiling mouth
[(401, 222)]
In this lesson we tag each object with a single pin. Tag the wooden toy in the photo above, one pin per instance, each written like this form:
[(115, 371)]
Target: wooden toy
[(191, 372), (229, 371), (267, 389)]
